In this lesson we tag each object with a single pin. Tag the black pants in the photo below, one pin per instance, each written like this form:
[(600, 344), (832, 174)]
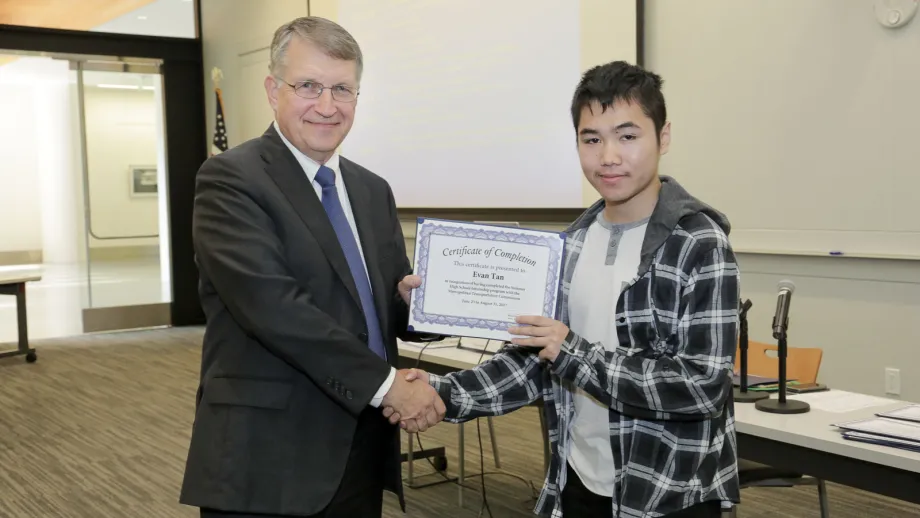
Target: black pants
[(361, 491), (579, 502)]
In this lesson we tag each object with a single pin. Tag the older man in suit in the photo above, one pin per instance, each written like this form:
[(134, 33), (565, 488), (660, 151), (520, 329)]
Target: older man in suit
[(304, 282)]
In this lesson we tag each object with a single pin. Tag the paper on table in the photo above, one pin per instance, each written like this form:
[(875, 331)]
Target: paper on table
[(909, 413), (838, 401), (885, 427), (881, 440)]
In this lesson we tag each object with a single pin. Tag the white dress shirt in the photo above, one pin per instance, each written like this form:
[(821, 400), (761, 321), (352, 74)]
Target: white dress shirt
[(311, 167)]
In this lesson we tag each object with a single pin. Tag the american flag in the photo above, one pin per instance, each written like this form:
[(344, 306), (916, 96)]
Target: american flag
[(219, 144)]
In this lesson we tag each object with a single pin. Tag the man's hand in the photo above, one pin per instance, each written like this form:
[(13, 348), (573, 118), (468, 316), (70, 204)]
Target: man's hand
[(545, 332), (409, 283), (413, 403)]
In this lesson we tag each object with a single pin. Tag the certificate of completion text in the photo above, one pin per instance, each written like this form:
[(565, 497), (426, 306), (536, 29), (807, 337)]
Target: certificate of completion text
[(477, 278)]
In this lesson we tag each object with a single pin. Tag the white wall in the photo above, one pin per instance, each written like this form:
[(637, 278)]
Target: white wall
[(236, 36), (41, 178), (20, 201), (37, 197), (862, 312), (57, 135), (120, 132), (823, 106)]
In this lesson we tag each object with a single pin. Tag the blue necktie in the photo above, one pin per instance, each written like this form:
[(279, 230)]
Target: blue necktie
[(325, 177)]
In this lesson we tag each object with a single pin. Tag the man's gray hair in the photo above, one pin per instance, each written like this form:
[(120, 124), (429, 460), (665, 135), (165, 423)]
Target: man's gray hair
[(329, 36)]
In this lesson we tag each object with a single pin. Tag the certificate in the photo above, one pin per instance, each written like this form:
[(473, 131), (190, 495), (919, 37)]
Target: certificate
[(477, 278)]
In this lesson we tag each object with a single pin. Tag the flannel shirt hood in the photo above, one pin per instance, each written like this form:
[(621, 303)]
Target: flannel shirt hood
[(674, 204)]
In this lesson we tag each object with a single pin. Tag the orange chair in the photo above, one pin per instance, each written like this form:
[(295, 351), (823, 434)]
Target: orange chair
[(802, 364)]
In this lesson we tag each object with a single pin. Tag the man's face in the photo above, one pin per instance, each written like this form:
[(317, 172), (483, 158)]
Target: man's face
[(314, 126), (619, 150)]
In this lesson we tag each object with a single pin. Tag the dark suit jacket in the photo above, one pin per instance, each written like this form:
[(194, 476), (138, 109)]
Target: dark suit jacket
[(285, 368)]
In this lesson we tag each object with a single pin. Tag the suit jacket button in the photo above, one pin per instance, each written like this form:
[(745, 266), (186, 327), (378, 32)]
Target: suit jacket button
[(348, 394), (329, 382), (363, 337)]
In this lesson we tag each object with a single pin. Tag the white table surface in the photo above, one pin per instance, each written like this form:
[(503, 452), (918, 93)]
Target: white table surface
[(17, 274), (442, 353), (812, 430)]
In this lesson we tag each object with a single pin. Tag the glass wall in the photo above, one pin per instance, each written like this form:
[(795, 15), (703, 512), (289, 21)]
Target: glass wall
[(81, 195), (125, 231)]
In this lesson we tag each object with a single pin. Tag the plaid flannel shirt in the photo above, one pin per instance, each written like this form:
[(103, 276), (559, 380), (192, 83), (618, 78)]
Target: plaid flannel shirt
[(668, 383)]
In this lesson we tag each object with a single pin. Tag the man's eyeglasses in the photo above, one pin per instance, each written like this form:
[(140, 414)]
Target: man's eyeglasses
[(312, 90)]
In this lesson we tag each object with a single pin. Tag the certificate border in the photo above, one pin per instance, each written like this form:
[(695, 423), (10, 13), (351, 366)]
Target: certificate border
[(556, 248)]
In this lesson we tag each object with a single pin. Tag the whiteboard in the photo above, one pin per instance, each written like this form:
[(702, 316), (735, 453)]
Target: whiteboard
[(467, 104), (810, 142)]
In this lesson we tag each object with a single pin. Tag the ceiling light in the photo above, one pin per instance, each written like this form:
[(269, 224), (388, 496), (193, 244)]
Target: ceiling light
[(120, 87), (141, 17), (146, 88)]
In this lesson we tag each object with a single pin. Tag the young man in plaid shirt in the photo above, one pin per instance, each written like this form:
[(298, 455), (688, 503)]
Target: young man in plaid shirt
[(636, 373)]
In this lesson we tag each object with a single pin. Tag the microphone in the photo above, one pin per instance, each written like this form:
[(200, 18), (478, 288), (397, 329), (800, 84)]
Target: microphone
[(780, 323), (741, 393), (746, 305), (783, 299)]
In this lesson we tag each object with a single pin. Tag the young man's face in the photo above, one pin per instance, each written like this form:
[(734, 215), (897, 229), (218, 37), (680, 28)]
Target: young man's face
[(619, 150)]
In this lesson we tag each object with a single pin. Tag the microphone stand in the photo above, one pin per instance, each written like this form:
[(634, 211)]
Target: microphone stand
[(741, 394), (782, 405)]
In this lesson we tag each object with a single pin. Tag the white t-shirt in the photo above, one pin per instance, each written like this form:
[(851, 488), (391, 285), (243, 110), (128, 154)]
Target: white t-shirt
[(609, 260)]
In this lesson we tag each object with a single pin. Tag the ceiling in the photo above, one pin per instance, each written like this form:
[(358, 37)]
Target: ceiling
[(66, 14), (174, 18)]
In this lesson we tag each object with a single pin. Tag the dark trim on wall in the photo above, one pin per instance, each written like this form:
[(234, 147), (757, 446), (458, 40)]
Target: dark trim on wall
[(198, 30), (186, 135), (640, 33), (37, 39)]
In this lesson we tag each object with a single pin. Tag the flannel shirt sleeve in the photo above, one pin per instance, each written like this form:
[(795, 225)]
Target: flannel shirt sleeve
[(691, 384), (508, 381)]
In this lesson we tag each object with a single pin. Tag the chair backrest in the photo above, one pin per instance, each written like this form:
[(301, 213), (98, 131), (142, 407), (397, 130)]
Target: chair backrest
[(802, 363)]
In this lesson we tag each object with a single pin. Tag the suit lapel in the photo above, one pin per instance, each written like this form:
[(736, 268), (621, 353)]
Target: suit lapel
[(362, 205), (286, 172)]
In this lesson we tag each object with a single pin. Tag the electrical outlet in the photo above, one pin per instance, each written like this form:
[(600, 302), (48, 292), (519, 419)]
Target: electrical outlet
[(893, 381)]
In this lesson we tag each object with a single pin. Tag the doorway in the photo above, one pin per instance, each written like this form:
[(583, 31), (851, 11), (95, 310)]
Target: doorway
[(85, 146), (172, 65)]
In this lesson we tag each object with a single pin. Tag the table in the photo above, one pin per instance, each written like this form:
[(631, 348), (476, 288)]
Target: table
[(809, 444), (14, 283), (805, 443)]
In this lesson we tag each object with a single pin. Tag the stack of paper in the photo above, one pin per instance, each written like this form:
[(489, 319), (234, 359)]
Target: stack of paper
[(898, 428)]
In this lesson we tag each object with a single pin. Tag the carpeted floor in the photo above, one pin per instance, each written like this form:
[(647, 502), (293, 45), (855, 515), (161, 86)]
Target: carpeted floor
[(99, 427)]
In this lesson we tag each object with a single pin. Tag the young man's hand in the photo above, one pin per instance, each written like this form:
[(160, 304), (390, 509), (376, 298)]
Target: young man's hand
[(544, 332)]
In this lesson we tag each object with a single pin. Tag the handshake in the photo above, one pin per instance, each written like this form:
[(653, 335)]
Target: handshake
[(412, 402)]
